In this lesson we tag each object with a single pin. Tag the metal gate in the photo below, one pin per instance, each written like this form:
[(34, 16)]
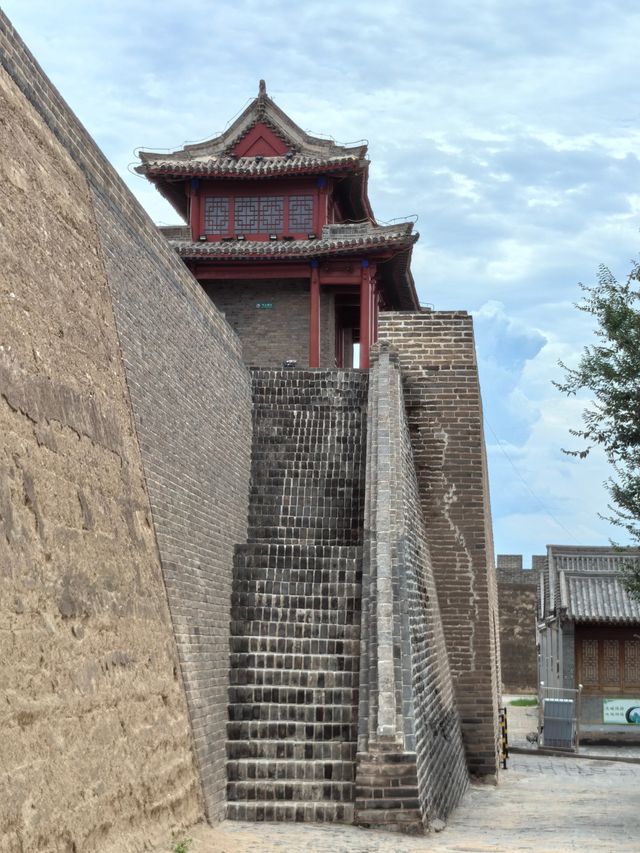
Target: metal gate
[(559, 718)]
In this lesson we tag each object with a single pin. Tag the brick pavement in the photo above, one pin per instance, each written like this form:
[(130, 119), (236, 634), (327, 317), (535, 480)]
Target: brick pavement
[(543, 805)]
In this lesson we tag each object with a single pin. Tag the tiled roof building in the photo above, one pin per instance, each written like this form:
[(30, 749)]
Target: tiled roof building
[(279, 223), (588, 624)]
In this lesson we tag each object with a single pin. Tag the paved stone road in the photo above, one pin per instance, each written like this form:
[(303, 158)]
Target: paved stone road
[(543, 805)]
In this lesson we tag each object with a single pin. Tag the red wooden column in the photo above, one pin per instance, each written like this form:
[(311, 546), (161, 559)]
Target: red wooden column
[(374, 313), (365, 313), (194, 209), (314, 317)]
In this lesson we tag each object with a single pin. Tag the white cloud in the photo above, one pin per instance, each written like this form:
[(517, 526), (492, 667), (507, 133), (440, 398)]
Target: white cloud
[(510, 129)]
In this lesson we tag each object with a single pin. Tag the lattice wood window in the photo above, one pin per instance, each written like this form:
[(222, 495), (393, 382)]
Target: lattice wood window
[(300, 213), (272, 214), (264, 215), (632, 662), (247, 216), (610, 661), (216, 215), (589, 662)]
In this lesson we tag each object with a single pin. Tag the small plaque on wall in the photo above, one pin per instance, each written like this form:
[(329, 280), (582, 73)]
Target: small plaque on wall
[(264, 306)]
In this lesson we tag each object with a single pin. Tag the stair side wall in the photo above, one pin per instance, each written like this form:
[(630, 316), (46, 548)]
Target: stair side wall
[(191, 401), (411, 762), (444, 411)]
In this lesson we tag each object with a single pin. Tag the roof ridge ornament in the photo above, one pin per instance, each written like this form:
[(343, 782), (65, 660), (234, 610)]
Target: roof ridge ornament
[(261, 106)]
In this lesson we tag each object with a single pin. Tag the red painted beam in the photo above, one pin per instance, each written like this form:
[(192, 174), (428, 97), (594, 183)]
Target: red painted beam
[(255, 272)]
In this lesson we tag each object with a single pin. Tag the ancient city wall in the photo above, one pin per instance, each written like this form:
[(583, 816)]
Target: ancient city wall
[(97, 494), (518, 594), (411, 764), (444, 411), (272, 319)]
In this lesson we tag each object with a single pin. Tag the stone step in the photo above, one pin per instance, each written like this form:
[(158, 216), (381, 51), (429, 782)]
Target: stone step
[(286, 730), (342, 616), (292, 770), (291, 749), (295, 650), (297, 581), (272, 712), (277, 534), (297, 630), (293, 602), (295, 646), (326, 496), (304, 529), (263, 567), (335, 515), (296, 550), (298, 790), (283, 516), (327, 663), (302, 421), (294, 678), (330, 438), (291, 811), (291, 695), (306, 450), (286, 585), (331, 468)]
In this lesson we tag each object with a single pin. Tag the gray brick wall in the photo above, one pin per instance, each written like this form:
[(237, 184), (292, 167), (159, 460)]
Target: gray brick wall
[(191, 400), (271, 335), (444, 412)]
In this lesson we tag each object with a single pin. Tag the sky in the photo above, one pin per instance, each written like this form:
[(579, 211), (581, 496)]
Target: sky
[(509, 128)]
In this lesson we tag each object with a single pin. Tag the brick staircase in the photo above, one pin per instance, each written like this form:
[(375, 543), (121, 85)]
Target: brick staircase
[(295, 629)]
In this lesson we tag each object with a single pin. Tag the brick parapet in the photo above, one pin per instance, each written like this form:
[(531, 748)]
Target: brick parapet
[(409, 730), (444, 411)]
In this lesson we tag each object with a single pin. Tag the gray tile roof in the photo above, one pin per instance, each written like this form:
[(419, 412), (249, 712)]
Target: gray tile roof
[(307, 153), (584, 584), (597, 597), (335, 239), (249, 167)]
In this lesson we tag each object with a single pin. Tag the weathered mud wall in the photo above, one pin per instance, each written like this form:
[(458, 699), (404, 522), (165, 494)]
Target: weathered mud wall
[(97, 750)]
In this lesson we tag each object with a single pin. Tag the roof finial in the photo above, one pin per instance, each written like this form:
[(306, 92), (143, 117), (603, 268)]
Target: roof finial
[(262, 89)]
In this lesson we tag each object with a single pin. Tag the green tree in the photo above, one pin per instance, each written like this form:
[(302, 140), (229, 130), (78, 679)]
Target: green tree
[(610, 371)]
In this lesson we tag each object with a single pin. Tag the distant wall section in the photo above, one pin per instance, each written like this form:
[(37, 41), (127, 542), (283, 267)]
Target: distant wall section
[(518, 595), (444, 411)]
